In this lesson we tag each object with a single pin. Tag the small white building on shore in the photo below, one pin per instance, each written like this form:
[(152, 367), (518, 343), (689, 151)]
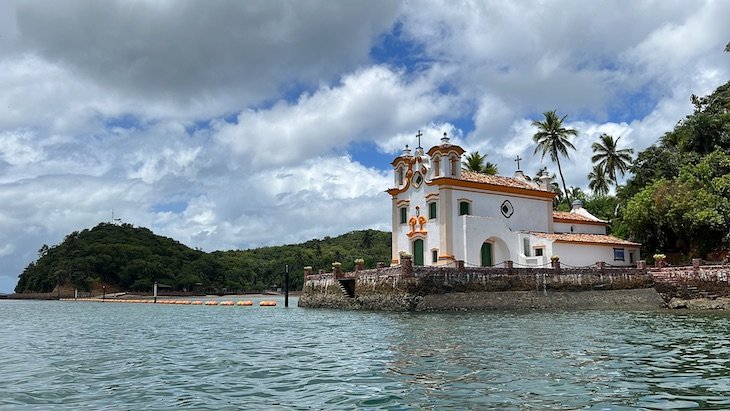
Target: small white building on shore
[(442, 214)]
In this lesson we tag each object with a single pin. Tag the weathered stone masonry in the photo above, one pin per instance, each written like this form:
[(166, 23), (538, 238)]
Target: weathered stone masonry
[(408, 288), (692, 282)]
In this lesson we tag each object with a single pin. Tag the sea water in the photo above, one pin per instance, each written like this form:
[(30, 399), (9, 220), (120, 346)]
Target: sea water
[(102, 356)]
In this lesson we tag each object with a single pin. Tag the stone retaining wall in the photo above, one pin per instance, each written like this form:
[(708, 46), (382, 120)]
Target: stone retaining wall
[(406, 288), (692, 282)]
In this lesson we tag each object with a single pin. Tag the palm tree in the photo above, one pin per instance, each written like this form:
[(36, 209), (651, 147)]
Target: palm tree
[(577, 193), (554, 139), (476, 162), (473, 162), (610, 158), (597, 181), (490, 168)]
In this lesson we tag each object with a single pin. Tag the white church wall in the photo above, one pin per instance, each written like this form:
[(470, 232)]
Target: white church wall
[(527, 214), (533, 243), (579, 255), (579, 228), (475, 230)]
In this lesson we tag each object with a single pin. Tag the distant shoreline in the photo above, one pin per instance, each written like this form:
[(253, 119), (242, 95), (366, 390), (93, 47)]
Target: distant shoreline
[(142, 296)]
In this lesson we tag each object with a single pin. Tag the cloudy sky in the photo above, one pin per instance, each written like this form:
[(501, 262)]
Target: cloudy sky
[(234, 124)]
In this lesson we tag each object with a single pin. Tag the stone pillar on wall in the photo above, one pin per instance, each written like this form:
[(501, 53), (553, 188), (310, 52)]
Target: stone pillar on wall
[(337, 270), (556, 264), (460, 264), (641, 265), (406, 264), (600, 265), (380, 265)]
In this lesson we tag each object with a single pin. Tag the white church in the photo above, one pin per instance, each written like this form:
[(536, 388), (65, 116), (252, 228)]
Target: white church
[(442, 214)]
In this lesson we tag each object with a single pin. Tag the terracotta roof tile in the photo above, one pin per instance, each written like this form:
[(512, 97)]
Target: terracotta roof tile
[(496, 180), (566, 215), (585, 238)]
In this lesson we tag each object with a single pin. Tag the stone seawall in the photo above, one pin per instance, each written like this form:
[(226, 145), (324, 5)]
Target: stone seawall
[(433, 288), (696, 286)]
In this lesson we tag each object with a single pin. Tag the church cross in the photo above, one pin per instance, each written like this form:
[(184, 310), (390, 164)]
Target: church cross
[(419, 138), (518, 159)]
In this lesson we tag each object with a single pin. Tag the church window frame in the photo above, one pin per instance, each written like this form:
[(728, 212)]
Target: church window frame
[(417, 180), (464, 207), (403, 211), (432, 210), (434, 255)]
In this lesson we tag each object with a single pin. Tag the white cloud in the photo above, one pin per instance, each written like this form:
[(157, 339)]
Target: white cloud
[(370, 104), (432, 134)]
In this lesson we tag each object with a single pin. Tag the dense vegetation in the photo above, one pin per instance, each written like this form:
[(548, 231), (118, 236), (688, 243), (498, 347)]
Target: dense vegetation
[(677, 200), (132, 258)]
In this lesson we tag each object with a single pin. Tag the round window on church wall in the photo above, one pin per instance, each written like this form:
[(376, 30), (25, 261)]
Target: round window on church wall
[(507, 209)]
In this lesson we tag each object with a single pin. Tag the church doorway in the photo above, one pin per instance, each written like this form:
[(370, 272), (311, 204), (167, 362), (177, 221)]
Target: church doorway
[(418, 252), (487, 255)]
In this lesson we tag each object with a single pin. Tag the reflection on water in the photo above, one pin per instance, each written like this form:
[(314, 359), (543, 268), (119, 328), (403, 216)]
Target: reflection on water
[(67, 355)]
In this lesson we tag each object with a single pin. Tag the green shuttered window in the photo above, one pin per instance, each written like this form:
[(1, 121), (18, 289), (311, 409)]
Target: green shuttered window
[(464, 208), (432, 211)]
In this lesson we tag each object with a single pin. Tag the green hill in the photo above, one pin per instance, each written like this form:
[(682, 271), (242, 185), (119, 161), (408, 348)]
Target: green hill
[(132, 258)]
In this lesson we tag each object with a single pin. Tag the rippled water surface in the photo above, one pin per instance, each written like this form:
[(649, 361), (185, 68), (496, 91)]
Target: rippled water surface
[(83, 355)]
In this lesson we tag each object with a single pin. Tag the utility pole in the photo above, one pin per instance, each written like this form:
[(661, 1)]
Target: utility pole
[(286, 286)]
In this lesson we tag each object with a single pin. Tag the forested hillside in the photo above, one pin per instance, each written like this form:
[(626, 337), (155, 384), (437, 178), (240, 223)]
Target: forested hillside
[(125, 257)]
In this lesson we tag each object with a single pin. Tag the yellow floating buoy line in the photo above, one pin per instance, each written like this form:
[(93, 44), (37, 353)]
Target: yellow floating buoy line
[(227, 303)]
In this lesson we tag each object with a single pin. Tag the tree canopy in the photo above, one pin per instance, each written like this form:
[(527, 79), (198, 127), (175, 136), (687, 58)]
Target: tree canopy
[(554, 139), (133, 258), (678, 199), (609, 158), (477, 162)]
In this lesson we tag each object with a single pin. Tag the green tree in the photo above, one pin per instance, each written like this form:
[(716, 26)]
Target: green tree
[(597, 181), (477, 163), (611, 160), (689, 214), (554, 139)]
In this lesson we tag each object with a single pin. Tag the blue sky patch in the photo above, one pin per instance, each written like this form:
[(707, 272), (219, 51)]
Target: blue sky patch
[(176, 207), (368, 154), (394, 50)]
